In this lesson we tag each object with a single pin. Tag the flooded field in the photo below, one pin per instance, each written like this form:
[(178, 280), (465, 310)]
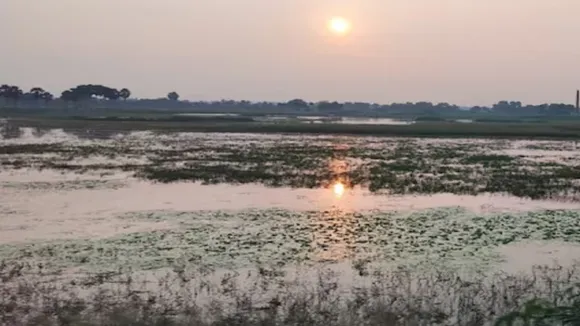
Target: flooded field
[(80, 204)]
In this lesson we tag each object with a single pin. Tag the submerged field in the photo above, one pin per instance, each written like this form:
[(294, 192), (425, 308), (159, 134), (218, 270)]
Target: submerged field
[(339, 213), (533, 169)]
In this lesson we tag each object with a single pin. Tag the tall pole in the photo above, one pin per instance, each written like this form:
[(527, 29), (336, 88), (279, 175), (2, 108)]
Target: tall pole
[(578, 101)]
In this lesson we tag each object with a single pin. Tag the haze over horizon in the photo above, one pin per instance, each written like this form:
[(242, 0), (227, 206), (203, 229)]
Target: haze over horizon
[(464, 52)]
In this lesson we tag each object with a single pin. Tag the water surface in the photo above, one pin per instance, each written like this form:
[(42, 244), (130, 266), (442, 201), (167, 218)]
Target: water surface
[(81, 198)]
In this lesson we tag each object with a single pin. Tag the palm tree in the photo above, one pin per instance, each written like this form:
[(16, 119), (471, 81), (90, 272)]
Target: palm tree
[(125, 93)]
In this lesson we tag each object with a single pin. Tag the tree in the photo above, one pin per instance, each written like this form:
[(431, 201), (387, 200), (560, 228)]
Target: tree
[(111, 94), (4, 90), (82, 92), (68, 96), (47, 97), (173, 96), (125, 93), (297, 103), (329, 106), (479, 109), (89, 92), (11, 93), (38, 94)]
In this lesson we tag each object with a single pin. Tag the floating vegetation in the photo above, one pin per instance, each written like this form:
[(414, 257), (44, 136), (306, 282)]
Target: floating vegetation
[(280, 237), (397, 166), (52, 282)]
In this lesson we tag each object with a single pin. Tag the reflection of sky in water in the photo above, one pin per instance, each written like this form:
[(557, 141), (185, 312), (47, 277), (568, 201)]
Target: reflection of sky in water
[(52, 205)]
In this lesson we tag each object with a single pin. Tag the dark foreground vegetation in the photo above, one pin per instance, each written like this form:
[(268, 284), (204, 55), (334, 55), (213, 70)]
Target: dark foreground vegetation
[(546, 296)]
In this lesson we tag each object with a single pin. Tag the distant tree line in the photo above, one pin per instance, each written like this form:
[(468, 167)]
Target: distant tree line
[(12, 95), (101, 96)]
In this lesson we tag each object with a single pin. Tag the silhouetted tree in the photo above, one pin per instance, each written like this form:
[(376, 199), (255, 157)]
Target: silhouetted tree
[(88, 92), (562, 109), (4, 90), (47, 97), (69, 96), (37, 94), (479, 109), (111, 94), (125, 93), (173, 96), (298, 103), (11, 94), (329, 106)]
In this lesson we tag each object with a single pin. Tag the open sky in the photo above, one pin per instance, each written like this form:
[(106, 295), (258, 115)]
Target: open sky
[(467, 52)]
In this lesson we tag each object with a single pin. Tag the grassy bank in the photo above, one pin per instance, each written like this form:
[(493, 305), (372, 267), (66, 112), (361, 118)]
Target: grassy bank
[(562, 130)]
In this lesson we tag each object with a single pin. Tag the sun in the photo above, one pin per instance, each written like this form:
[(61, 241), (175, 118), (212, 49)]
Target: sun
[(339, 25)]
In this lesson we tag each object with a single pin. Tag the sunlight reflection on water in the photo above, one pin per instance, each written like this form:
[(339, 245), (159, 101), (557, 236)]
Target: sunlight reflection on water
[(32, 211), (338, 189)]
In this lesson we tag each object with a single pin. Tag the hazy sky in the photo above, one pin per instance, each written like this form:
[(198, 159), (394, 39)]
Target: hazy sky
[(459, 51)]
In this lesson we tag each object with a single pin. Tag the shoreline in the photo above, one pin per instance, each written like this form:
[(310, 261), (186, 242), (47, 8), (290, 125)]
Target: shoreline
[(433, 129)]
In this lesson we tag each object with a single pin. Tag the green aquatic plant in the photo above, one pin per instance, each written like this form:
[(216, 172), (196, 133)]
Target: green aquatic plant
[(227, 239), (396, 166)]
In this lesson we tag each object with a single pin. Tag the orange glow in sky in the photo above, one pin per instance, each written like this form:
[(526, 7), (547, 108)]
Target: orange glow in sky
[(339, 25)]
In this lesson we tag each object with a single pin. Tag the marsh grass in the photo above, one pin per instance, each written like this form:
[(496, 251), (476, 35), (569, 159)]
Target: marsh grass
[(509, 129), (400, 166), (186, 296)]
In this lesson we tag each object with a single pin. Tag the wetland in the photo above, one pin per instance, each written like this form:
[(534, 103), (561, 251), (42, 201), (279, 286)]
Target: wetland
[(333, 229)]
